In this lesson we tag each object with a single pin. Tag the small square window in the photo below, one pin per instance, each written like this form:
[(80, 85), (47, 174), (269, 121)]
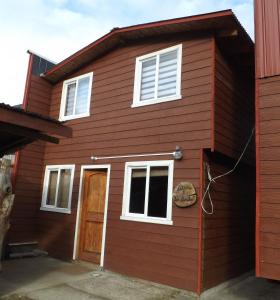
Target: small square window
[(57, 190), (148, 192), (158, 77), (75, 100)]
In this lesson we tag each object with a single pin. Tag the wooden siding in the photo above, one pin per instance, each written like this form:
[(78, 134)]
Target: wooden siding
[(161, 253), (233, 109), (267, 32), (268, 230), (228, 234), (30, 170)]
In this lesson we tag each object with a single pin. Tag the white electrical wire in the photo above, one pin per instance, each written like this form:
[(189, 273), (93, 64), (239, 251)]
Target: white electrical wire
[(213, 179)]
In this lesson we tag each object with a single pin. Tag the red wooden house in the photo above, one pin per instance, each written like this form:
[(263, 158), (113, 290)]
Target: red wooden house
[(267, 138), (131, 97)]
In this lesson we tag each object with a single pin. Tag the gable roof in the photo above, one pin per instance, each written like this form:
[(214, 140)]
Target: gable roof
[(223, 22)]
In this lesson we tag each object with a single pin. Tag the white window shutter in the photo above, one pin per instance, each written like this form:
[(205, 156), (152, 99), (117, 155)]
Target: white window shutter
[(148, 75), (82, 96), (70, 99), (167, 76)]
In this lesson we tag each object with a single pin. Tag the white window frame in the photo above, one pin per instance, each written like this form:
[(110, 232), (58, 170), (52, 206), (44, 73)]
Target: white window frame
[(62, 116), (138, 74), (126, 215), (54, 208)]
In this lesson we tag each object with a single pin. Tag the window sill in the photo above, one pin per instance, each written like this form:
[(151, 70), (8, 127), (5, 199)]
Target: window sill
[(147, 220), (155, 101), (54, 209), (69, 118)]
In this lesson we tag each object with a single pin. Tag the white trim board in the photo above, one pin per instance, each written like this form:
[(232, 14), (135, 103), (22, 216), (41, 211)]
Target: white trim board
[(76, 237)]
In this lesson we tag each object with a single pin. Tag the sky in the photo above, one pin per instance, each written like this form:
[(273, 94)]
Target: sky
[(58, 28)]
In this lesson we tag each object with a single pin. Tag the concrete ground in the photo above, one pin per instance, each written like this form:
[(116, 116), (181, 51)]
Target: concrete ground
[(45, 278)]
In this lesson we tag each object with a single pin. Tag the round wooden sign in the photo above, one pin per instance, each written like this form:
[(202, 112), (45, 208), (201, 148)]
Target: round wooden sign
[(184, 194)]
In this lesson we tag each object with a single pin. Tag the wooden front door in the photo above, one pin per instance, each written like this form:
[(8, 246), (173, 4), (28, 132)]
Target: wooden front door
[(92, 215)]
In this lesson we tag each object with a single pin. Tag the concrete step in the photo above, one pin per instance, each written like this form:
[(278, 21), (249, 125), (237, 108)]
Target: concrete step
[(24, 249)]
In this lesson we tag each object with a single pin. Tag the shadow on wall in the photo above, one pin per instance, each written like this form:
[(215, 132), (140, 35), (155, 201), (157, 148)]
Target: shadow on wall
[(229, 244), (53, 231)]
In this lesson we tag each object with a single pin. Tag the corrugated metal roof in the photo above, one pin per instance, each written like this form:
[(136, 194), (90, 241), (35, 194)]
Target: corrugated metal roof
[(267, 36), (22, 111), (211, 22)]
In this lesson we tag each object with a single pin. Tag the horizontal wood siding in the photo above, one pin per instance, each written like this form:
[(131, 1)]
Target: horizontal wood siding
[(234, 109), (267, 32), (161, 253), (28, 189), (228, 244), (269, 178)]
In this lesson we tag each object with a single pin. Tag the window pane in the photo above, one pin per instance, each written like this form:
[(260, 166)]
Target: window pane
[(63, 189), (82, 96), (157, 205), (52, 188), (70, 97), (167, 78), (148, 76), (137, 191)]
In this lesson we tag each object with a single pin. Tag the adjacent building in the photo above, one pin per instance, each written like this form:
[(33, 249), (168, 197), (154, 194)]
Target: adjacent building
[(267, 138)]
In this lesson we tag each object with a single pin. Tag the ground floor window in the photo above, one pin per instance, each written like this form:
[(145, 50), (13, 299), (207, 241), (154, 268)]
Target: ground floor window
[(147, 193), (57, 190)]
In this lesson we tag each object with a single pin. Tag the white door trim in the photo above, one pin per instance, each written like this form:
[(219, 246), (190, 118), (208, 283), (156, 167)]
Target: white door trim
[(76, 238)]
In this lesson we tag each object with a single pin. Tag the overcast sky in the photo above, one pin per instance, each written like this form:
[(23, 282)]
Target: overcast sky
[(57, 28)]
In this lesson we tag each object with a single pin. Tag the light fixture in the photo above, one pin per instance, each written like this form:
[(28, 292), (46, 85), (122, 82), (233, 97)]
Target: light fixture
[(178, 154)]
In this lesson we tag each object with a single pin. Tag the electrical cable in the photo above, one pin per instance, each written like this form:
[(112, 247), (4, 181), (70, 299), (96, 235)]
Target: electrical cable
[(213, 179)]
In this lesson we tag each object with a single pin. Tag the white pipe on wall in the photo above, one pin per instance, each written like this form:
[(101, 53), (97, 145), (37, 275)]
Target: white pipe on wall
[(132, 155), (177, 154)]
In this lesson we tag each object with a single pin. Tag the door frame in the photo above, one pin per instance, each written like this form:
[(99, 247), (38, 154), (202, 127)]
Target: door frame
[(78, 216)]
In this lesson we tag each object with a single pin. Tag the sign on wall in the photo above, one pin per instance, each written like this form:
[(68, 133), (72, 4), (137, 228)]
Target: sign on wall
[(184, 194)]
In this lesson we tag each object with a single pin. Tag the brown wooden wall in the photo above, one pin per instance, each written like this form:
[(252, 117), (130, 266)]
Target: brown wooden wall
[(267, 28), (233, 109), (268, 172), (228, 243), (161, 253), (267, 33), (30, 169)]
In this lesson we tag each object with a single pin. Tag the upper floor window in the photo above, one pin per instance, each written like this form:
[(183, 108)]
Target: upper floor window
[(75, 100), (57, 190), (158, 76)]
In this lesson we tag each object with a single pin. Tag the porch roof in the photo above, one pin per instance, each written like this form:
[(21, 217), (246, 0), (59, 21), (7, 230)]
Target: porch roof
[(19, 128)]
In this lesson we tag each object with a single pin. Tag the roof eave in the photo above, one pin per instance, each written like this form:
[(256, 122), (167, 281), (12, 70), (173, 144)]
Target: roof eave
[(57, 72)]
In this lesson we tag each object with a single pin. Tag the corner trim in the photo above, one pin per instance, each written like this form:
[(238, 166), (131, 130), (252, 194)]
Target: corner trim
[(257, 141), (200, 227), (213, 94), (27, 82)]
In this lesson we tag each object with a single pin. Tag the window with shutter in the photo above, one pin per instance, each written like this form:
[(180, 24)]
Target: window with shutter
[(158, 77), (75, 99)]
